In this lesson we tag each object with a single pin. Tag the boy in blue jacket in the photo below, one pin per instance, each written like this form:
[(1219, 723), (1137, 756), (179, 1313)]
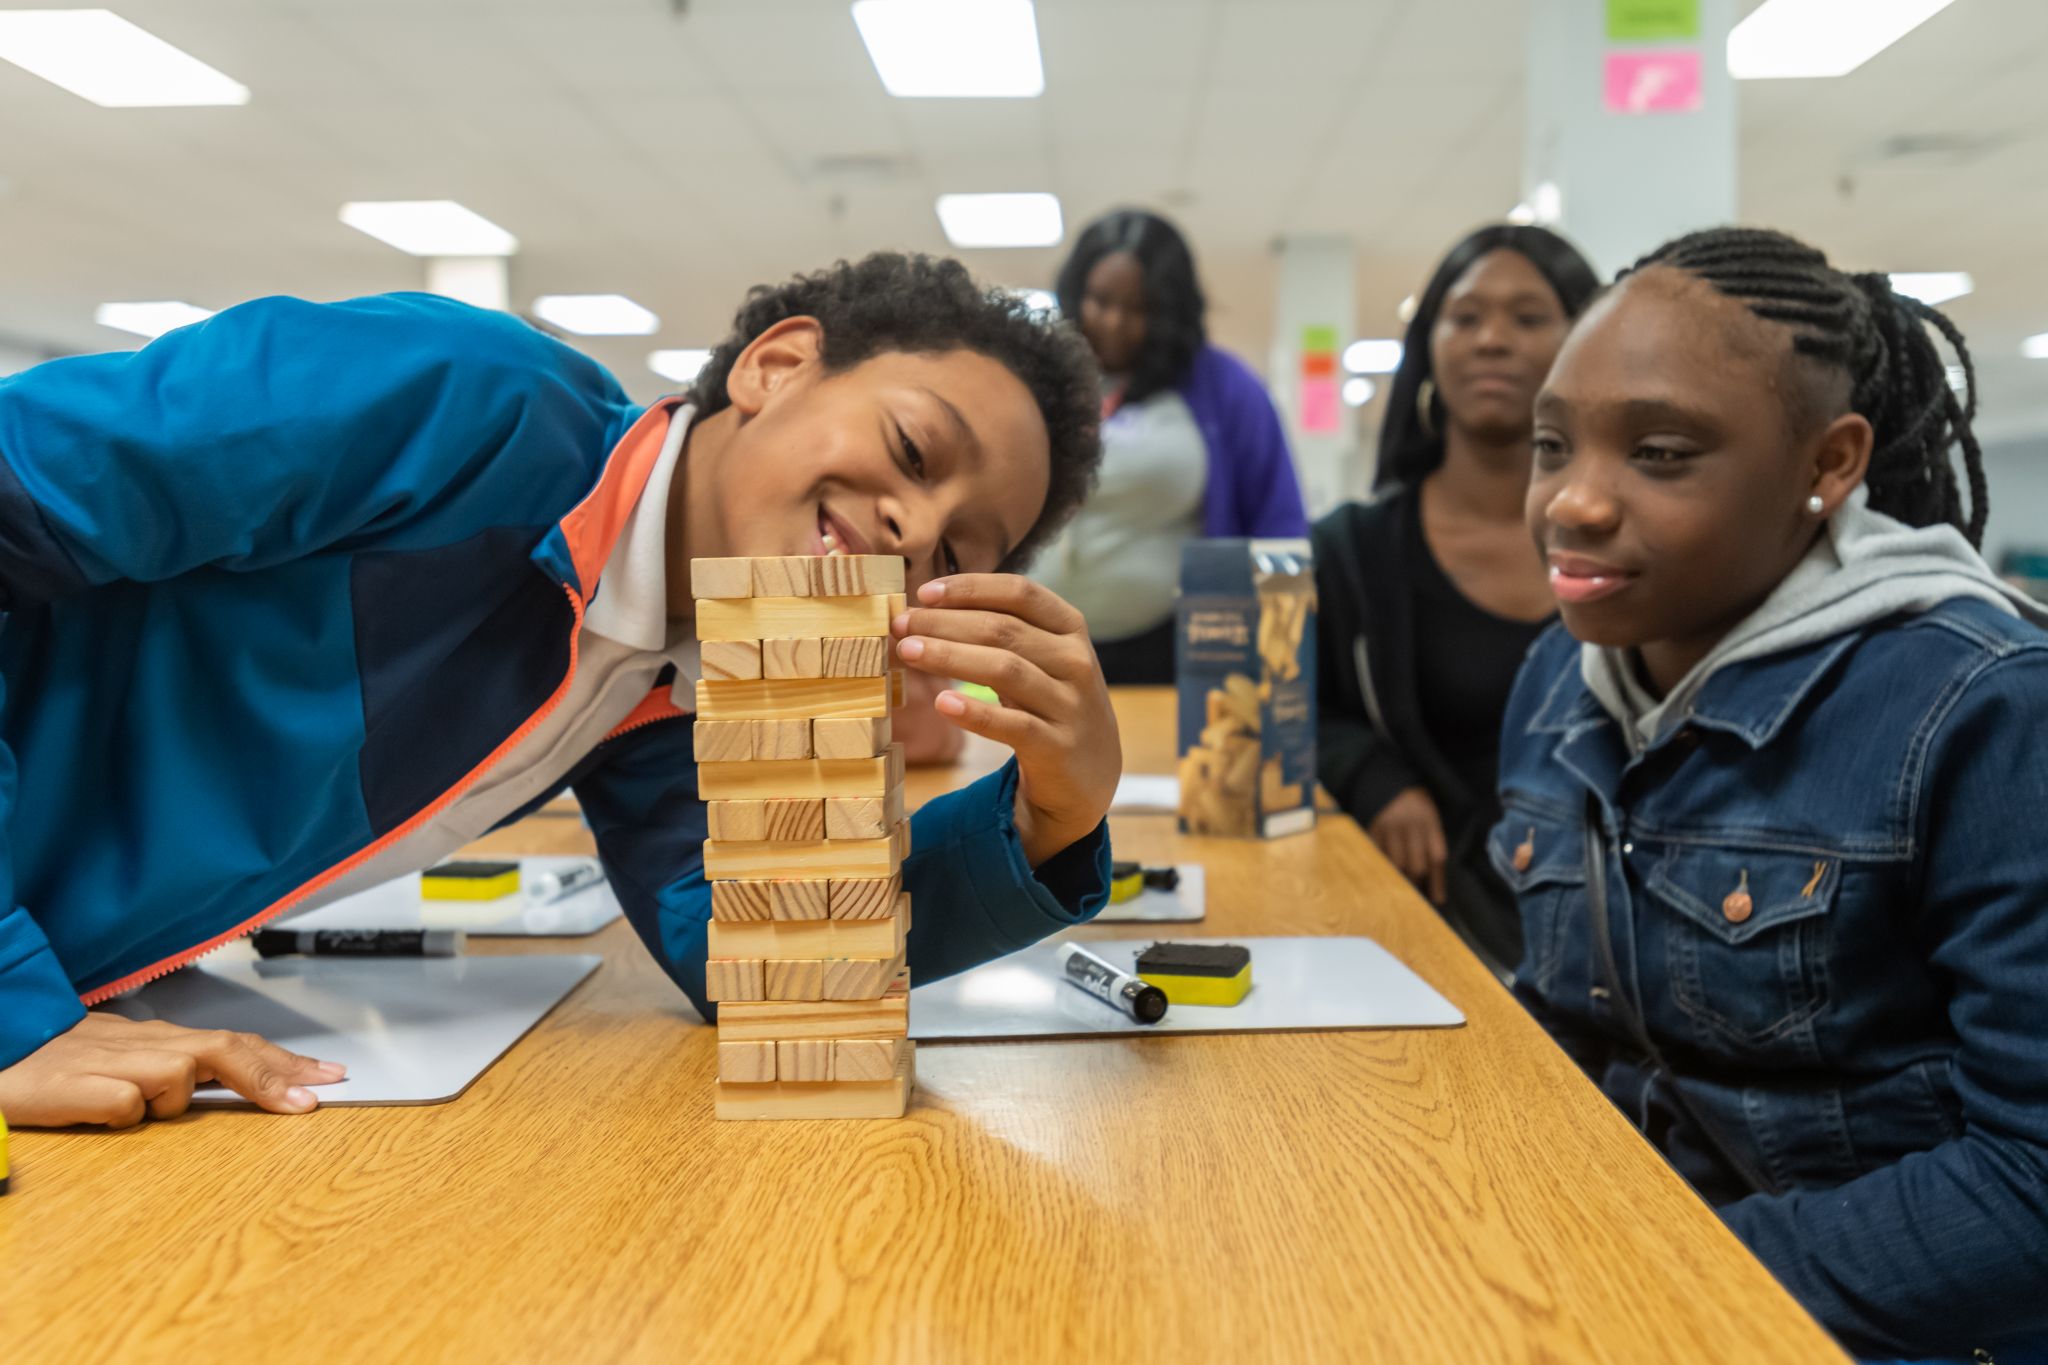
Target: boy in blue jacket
[(308, 596)]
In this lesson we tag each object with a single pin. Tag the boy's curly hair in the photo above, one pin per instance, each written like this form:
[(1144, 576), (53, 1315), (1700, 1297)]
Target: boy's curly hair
[(891, 301)]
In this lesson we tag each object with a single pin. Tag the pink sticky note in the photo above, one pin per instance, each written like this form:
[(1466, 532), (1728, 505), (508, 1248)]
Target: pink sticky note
[(1653, 82), (1321, 406)]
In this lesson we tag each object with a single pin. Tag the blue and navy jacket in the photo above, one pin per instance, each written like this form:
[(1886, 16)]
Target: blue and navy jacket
[(1828, 895), (279, 586)]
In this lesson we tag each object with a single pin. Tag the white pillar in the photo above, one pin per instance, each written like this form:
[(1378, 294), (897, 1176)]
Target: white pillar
[(1314, 306), (1630, 137), (485, 281)]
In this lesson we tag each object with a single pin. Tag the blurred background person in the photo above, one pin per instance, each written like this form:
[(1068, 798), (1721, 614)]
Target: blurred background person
[(1431, 592), (1191, 443)]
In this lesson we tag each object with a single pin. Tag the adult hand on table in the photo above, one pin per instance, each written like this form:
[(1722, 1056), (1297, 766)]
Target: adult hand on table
[(115, 1071), (1410, 832), (1031, 647)]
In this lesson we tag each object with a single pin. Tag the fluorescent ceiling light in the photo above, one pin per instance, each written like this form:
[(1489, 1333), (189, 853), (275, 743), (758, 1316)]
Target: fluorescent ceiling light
[(963, 49), (149, 319), (2035, 347), (1933, 287), (99, 56), (430, 227), (1040, 301), (972, 220), (596, 315), (1788, 38), (1377, 356), (1358, 391), (681, 366)]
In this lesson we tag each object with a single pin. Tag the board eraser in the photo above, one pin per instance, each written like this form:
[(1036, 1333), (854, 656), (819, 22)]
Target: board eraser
[(469, 881), (1198, 973)]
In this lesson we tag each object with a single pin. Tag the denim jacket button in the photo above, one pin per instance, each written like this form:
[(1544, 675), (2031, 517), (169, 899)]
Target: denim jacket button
[(1737, 907), (1525, 853)]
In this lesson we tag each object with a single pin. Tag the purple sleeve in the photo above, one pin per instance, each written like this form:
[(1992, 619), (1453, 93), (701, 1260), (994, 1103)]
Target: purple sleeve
[(1252, 490)]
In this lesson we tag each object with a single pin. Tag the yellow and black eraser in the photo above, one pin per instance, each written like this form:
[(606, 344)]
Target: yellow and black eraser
[(1198, 973), (469, 881)]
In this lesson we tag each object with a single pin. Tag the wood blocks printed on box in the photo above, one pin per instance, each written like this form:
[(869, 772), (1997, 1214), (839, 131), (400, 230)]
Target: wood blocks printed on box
[(807, 835)]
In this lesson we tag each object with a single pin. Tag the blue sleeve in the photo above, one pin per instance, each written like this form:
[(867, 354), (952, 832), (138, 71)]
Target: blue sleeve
[(973, 895), (1259, 494), (278, 429), (1946, 1250)]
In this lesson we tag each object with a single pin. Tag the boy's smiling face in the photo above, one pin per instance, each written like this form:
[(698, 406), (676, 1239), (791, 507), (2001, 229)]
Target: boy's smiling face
[(942, 458)]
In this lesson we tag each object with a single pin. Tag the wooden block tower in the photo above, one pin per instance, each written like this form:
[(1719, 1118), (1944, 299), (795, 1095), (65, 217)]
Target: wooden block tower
[(807, 835)]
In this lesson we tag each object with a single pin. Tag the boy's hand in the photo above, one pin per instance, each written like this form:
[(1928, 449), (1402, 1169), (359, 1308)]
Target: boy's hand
[(116, 1071), (1022, 640)]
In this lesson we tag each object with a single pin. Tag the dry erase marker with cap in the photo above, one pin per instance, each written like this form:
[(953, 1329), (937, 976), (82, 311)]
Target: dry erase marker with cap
[(1144, 1002), (563, 882), (359, 942)]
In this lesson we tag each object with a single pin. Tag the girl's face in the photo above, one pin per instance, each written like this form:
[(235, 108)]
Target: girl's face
[(1113, 311), (1669, 487), (1494, 339), (941, 458)]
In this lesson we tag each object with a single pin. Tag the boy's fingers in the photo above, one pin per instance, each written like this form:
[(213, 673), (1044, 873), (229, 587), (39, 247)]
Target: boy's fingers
[(106, 1100), (1005, 725), (1004, 592), (1063, 656), (164, 1079), (256, 1070), (1016, 680)]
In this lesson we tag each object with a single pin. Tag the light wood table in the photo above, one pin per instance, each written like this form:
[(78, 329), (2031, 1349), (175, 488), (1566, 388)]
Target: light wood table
[(1452, 1195)]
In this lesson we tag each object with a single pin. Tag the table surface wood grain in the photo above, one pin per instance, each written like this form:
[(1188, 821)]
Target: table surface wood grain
[(1434, 1195)]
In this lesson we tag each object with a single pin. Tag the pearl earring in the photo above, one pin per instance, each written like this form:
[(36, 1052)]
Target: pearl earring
[(1815, 505)]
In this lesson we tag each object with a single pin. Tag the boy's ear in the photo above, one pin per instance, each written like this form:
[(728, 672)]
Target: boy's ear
[(791, 349), (1841, 455)]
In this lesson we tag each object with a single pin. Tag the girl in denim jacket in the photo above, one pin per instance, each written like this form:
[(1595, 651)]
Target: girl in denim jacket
[(1775, 804)]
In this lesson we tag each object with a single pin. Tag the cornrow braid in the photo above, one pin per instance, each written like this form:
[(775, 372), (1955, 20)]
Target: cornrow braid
[(1879, 338)]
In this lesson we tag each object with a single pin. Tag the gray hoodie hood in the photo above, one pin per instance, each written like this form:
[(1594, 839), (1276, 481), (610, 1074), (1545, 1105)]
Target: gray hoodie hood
[(1865, 567)]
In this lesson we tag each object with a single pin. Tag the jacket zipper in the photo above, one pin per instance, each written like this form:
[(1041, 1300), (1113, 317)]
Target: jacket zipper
[(1365, 687), (170, 964)]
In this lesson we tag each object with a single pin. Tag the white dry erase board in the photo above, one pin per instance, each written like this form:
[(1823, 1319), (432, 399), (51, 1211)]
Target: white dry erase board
[(397, 904), (1186, 902), (411, 1030), (1146, 794), (1297, 983)]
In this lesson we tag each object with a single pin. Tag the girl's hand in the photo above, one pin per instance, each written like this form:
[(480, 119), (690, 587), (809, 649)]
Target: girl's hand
[(115, 1071), (1031, 647), (1411, 833)]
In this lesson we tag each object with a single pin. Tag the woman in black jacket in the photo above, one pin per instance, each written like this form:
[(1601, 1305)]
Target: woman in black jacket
[(1432, 592)]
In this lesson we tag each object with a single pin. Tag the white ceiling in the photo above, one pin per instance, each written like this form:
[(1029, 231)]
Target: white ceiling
[(678, 159)]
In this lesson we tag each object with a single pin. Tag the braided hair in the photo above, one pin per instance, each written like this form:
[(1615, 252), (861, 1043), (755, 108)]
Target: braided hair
[(1856, 326)]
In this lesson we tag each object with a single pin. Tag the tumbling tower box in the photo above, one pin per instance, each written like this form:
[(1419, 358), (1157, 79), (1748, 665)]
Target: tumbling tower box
[(807, 835)]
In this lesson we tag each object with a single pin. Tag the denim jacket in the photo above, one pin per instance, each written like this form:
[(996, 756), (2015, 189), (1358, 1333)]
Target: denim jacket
[(1828, 894)]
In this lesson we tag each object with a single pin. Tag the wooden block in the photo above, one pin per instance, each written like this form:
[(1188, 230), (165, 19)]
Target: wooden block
[(809, 938), (723, 741), (743, 820), (779, 740), (898, 604), (856, 575), (730, 660), (791, 821), (721, 578), (810, 858), (863, 1059), (782, 576), (888, 1017), (733, 978), (790, 618), (855, 978), (862, 738), (793, 658), (803, 777), (799, 978), (822, 1099), (740, 901), (752, 1063), (792, 699), (898, 693), (809, 1059), (856, 656), (902, 840), (864, 897), (863, 817), (795, 898)]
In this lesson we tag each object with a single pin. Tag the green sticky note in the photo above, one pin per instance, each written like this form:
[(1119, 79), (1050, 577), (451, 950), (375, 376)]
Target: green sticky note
[(979, 693), (1315, 339), (1652, 21)]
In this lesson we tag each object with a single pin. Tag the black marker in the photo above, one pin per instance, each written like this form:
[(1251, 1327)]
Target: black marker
[(1143, 1001), (359, 942)]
